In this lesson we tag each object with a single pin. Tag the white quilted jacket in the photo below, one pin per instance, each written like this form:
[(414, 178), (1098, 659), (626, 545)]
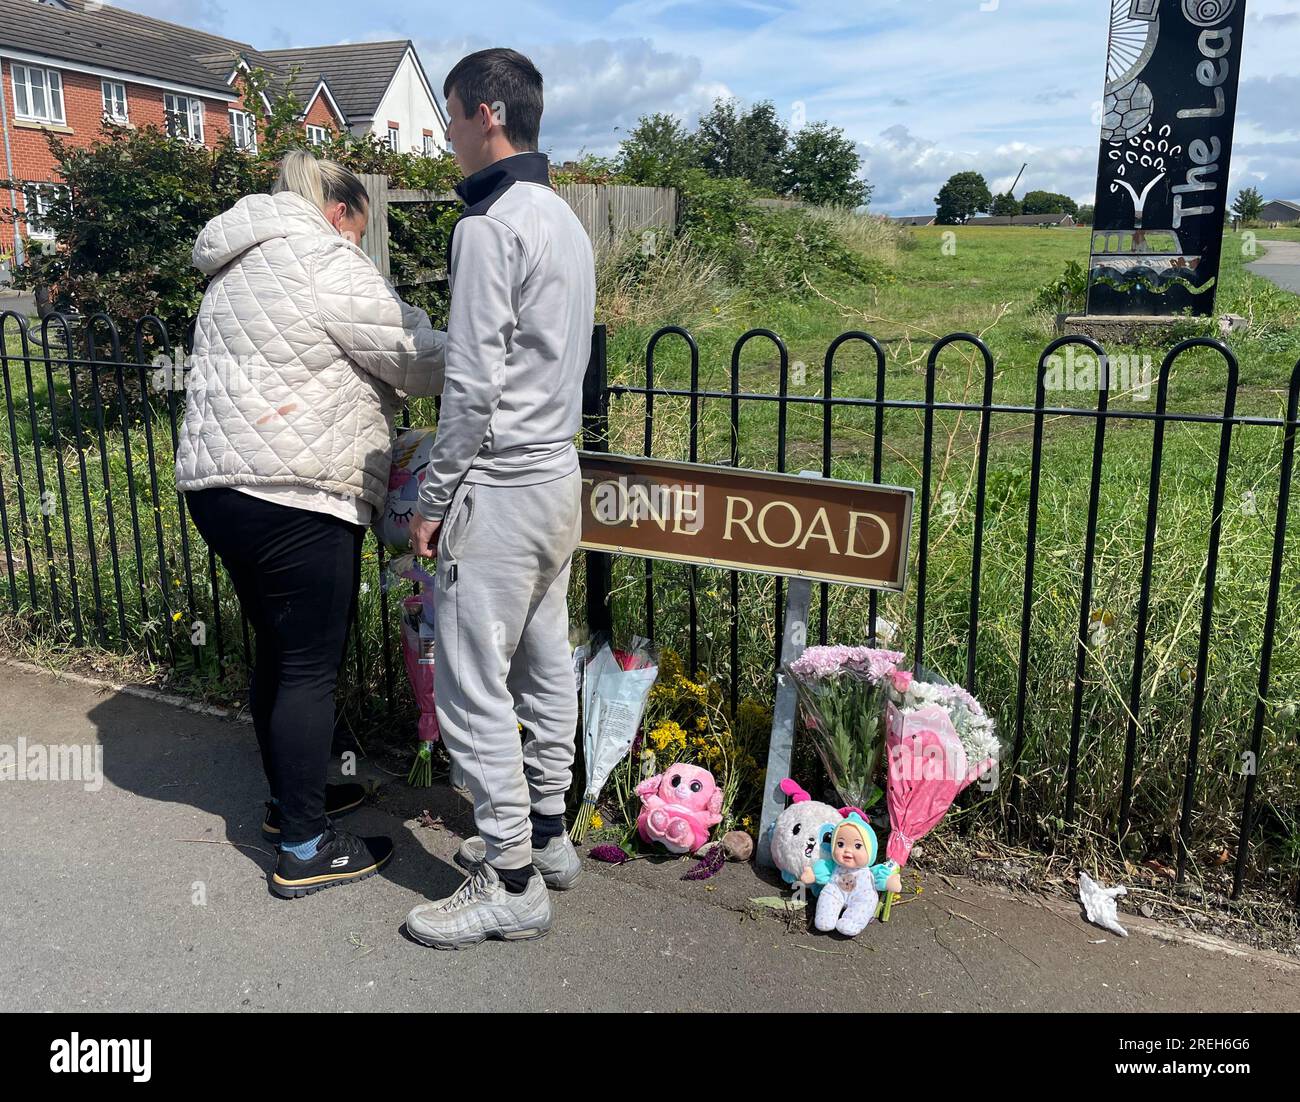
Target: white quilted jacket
[(299, 350)]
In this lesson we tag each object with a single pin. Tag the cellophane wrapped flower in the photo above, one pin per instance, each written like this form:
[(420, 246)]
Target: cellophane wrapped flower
[(976, 730), (841, 695)]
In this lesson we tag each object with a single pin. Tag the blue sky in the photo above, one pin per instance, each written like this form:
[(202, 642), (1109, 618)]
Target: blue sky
[(925, 87)]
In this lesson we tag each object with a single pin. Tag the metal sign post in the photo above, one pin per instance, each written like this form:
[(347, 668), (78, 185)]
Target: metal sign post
[(780, 747)]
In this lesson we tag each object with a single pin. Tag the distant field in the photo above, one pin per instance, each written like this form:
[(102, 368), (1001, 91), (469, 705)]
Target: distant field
[(1288, 233)]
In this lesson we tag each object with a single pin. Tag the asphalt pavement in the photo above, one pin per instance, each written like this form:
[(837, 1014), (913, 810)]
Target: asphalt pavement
[(1280, 263), (148, 892)]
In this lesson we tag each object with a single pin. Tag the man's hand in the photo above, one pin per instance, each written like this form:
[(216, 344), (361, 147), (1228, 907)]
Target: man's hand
[(424, 536)]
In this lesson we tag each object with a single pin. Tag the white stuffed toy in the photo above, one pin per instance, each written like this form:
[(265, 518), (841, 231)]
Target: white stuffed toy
[(801, 839)]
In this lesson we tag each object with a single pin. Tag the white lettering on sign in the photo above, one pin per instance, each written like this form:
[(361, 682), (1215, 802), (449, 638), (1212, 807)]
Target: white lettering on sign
[(1207, 75), (1211, 72)]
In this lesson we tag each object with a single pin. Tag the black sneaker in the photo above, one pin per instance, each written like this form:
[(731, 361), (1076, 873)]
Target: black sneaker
[(340, 859), (339, 800)]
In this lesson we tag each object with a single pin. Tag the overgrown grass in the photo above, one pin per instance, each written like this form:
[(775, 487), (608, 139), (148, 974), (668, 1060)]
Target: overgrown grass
[(984, 286)]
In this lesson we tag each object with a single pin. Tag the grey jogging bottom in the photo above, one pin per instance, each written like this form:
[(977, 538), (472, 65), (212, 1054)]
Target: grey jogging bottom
[(503, 655)]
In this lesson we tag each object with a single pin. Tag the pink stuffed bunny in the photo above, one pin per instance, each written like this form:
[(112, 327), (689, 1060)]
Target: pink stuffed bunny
[(679, 807)]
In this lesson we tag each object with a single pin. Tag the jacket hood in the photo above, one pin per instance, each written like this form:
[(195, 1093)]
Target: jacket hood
[(254, 220), (854, 820)]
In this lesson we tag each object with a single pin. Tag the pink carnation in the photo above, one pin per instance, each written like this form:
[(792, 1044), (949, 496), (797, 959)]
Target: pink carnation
[(816, 663), (876, 664)]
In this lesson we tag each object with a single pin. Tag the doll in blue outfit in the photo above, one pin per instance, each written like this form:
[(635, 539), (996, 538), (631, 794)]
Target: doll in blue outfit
[(849, 896)]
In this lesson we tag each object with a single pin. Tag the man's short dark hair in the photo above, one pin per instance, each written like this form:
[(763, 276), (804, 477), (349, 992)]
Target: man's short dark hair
[(501, 76)]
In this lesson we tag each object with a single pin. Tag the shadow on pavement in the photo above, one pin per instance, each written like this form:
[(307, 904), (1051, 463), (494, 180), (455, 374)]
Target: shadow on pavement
[(213, 765)]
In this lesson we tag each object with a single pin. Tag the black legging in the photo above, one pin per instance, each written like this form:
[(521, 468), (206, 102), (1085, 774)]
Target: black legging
[(297, 573)]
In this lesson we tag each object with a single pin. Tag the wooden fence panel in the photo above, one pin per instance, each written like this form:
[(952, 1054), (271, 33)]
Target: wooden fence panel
[(607, 212), (375, 242)]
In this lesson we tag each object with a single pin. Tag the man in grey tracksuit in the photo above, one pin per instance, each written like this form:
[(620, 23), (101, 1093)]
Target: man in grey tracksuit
[(499, 505)]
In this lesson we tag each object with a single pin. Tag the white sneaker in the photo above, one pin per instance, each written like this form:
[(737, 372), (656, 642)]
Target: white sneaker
[(482, 908), (557, 861)]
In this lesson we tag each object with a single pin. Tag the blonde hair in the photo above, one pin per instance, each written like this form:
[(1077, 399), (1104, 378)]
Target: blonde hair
[(321, 182)]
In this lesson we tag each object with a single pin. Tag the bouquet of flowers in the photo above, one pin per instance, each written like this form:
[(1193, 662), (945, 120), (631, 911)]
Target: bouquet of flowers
[(614, 690), (841, 696), (939, 740), (418, 656), (976, 731)]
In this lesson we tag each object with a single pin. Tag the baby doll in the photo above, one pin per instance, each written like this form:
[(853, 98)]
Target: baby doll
[(848, 901)]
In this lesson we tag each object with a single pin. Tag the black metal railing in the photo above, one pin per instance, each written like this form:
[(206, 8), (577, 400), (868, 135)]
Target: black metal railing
[(602, 397), (100, 551)]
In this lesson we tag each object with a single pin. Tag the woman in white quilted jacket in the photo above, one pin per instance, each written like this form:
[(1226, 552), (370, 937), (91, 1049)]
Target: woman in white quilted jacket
[(300, 350)]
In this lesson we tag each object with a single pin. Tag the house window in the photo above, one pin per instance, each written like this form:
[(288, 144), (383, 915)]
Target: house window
[(244, 130), (114, 100), (394, 139), (317, 135), (184, 117), (39, 198), (38, 94), (429, 148)]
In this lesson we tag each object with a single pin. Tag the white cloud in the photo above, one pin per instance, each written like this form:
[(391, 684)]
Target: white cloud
[(925, 89), (597, 89), (908, 170)]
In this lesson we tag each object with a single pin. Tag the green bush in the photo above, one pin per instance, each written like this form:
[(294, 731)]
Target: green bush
[(133, 203), (1067, 294), (126, 222), (764, 250)]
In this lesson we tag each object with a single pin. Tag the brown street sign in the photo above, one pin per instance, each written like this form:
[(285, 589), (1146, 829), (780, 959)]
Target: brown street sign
[(824, 529)]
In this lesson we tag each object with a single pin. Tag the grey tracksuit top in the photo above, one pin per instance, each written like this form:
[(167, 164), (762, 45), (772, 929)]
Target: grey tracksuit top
[(523, 298)]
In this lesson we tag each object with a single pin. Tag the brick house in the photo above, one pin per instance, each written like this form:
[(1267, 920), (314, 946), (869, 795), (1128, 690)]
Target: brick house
[(65, 65)]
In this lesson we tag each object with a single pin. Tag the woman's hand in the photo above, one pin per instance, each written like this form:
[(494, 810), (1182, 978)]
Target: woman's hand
[(424, 536)]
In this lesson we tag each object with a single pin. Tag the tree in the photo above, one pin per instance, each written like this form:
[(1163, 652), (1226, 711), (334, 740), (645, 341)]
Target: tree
[(822, 167), (761, 149), (965, 194), (591, 168), (1048, 202), (817, 164), (1248, 205), (713, 145), (1086, 214), (729, 144), (1005, 205), (656, 152)]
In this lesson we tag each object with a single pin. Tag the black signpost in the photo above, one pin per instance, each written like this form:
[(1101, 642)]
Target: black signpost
[(1166, 143)]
